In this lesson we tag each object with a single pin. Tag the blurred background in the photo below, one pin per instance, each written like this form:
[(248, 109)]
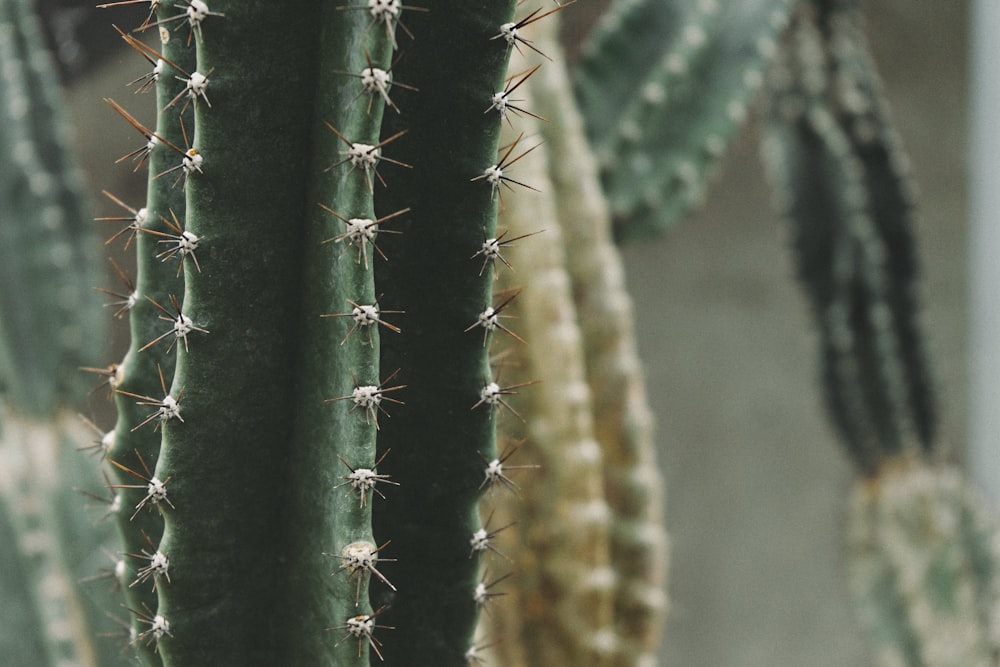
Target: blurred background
[(757, 484)]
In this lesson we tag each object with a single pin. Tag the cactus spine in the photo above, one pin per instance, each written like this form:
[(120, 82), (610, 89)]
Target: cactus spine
[(923, 553)]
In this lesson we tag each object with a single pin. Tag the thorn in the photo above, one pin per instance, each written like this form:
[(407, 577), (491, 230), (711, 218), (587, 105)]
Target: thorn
[(494, 174), (362, 231), (369, 398), (156, 491), (365, 317), (489, 320)]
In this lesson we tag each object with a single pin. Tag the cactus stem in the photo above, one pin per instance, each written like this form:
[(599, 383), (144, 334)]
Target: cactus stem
[(364, 480), (369, 398)]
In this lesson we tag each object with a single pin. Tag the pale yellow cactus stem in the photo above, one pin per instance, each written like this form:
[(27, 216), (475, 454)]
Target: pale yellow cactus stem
[(622, 417)]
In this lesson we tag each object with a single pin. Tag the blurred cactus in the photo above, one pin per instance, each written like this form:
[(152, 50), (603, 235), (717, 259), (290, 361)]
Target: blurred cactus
[(923, 552)]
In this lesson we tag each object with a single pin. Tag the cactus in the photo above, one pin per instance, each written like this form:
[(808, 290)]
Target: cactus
[(305, 467)]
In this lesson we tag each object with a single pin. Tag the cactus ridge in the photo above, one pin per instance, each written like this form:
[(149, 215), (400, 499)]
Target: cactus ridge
[(146, 367)]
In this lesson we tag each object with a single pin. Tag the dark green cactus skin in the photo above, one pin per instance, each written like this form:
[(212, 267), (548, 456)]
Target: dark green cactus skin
[(437, 439), (49, 316), (840, 170)]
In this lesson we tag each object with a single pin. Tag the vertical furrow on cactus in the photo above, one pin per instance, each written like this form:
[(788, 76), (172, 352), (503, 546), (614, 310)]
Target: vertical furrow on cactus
[(227, 461), (566, 522), (157, 279), (334, 440), (437, 437), (622, 416), (853, 244), (45, 322)]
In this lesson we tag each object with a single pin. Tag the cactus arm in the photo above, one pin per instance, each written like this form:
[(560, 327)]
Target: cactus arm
[(436, 438), (48, 314), (838, 168), (670, 128), (329, 435), (139, 371)]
